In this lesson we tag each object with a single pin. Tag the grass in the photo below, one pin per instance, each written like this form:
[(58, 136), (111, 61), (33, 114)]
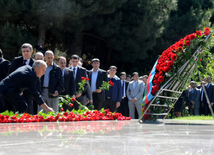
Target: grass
[(195, 118)]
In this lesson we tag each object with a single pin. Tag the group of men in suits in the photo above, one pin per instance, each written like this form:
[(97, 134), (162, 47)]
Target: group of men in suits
[(195, 99), (58, 79)]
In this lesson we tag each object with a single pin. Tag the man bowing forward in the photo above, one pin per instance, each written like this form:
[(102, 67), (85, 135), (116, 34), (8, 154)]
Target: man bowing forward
[(12, 87)]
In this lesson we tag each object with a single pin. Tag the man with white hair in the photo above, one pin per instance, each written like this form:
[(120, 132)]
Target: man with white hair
[(52, 82), (23, 78)]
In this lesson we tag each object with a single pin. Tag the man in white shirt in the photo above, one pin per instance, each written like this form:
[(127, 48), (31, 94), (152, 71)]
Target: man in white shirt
[(96, 78), (79, 72)]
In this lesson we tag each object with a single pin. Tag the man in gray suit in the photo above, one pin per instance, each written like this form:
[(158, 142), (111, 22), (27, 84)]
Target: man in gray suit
[(134, 93), (194, 98)]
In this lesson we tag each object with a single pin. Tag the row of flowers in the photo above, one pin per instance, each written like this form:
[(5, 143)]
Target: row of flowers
[(170, 55), (62, 117)]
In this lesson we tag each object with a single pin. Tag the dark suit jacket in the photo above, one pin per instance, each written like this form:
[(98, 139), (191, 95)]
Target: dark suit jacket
[(195, 96), (69, 83), (210, 93), (81, 72), (55, 80), (21, 79), (4, 68), (126, 86), (18, 62), (102, 76), (116, 89)]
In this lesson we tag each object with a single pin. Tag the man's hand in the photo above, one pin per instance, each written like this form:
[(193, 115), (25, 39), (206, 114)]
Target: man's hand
[(74, 96), (133, 100), (47, 108), (21, 94), (56, 93), (117, 104), (211, 103), (184, 102), (98, 90), (78, 95), (129, 92)]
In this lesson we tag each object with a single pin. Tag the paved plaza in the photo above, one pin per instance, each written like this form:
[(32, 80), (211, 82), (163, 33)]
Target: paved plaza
[(108, 138)]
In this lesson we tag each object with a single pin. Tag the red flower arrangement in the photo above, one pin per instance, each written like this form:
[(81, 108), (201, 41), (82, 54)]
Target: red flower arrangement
[(170, 55), (63, 117)]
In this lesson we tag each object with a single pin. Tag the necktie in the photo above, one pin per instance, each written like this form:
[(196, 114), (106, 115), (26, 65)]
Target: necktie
[(24, 62), (74, 70), (123, 94)]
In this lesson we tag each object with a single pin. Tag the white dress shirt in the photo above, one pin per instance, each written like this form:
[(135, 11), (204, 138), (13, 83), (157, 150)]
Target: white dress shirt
[(124, 89), (94, 76), (27, 62), (75, 70)]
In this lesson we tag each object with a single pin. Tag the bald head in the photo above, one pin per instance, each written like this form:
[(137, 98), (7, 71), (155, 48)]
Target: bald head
[(49, 57), (39, 56)]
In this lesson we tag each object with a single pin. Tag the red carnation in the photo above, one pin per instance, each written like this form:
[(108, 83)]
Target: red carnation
[(86, 79), (192, 36), (111, 83), (153, 93), (73, 99), (187, 43), (180, 49), (181, 43), (207, 31), (200, 59), (82, 78), (156, 82), (62, 109), (155, 87), (71, 105), (169, 63), (167, 69), (199, 33), (174, 57), (161, 79)]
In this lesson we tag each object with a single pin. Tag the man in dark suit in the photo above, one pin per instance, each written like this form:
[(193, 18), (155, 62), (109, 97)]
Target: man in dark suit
[(68, 79), (25, 59), (124, 107), (79, 72), (52, 82), (114, 94), (23, 78), (210, 93), (96, 78), (194, 98), (17, 62), (4, 67)]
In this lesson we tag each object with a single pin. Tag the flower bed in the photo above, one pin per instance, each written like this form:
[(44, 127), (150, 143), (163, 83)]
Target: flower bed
[(80, 115)]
